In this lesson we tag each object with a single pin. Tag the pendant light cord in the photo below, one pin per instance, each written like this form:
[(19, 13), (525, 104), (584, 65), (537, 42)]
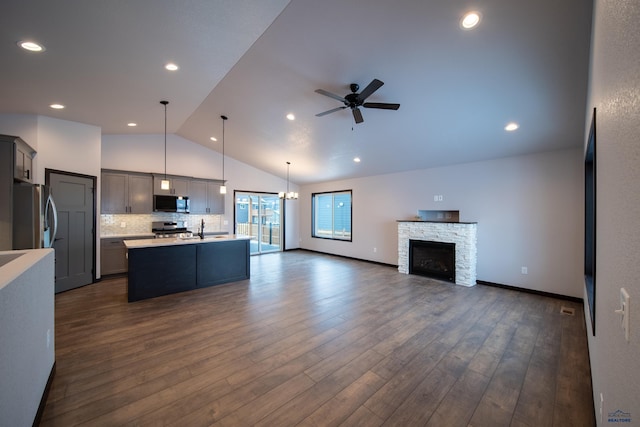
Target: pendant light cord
[(288, 163), (224, 119), (165, 137)]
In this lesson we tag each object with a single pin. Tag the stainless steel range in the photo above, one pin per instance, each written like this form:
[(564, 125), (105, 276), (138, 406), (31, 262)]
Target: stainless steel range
[(170, 229)]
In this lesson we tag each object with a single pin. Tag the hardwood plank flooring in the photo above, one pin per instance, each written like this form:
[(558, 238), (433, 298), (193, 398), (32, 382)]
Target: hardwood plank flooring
[(313, 339)]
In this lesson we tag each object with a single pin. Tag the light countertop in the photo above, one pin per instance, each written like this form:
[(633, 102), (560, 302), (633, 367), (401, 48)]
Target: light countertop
[(128, 236), (151, 243), (14, 263)]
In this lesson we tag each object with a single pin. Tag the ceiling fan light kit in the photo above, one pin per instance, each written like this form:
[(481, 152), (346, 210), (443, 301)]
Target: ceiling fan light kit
[(354, 100)]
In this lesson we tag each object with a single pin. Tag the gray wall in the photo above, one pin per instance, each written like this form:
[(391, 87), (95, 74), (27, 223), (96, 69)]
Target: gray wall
[(529, 211), (615, 92), (26, 335)]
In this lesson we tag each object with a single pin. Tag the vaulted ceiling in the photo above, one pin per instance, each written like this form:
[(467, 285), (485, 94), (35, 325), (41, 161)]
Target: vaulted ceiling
[(256, 61)]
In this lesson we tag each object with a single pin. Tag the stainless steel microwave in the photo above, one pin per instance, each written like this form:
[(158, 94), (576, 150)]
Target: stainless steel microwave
[(178, 204)]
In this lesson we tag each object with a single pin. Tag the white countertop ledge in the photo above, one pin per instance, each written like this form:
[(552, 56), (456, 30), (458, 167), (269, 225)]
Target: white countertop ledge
[(152, 243), (14, 263)]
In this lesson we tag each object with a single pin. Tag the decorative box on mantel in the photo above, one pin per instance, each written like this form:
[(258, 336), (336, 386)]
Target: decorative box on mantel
[(463, 234)]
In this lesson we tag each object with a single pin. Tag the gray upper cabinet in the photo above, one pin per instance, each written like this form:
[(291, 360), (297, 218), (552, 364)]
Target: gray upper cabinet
[(177, 186), (23, 168), (215, 200), (198, 196), (126, 193), (205, 197)]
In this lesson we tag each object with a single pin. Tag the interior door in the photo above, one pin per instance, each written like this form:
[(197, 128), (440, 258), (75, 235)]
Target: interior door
[(75, 241)]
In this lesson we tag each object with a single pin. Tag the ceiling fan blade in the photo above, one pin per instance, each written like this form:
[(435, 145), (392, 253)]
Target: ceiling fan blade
[(382, 105), (367, 91), (357, 115), (330, 95), (333, 110)]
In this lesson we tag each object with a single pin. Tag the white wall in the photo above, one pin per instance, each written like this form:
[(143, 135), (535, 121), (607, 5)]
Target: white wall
[(615, 93), (145, 153), (68, 146), (529, 211)]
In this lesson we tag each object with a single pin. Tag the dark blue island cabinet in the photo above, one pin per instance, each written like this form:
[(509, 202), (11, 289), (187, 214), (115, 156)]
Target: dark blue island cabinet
[(159, 268)]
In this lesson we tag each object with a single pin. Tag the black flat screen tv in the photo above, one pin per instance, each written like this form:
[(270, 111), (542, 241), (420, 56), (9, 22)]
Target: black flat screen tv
[(590, 221)]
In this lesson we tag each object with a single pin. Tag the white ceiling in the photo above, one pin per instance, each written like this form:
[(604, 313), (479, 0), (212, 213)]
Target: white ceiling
[(256, 61)]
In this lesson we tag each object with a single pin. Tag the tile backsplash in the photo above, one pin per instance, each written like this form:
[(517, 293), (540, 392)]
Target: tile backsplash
[(120, 224)]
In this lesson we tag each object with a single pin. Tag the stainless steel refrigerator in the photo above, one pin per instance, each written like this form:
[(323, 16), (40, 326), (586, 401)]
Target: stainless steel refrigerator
[(35, 218)]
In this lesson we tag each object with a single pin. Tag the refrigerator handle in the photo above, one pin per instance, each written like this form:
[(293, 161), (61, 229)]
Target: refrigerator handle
[(55, 219)]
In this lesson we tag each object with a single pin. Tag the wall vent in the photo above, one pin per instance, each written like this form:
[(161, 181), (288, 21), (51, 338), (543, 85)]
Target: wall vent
[(567, 311)]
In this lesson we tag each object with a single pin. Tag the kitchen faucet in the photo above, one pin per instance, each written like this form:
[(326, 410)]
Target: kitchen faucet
[(201, 234)]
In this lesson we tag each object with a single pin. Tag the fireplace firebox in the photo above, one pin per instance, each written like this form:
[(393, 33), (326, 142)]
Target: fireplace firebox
[(433, 259)]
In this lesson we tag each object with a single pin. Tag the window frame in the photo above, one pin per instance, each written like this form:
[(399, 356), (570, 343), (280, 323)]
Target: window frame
[(333, 233)]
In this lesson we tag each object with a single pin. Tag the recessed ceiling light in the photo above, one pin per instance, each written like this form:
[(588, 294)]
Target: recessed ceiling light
[(132, 125), (470, 20), (171, 66), (214, 139), (57, 106), (356, 159), (510, 127), (31, 46), (290, 116)]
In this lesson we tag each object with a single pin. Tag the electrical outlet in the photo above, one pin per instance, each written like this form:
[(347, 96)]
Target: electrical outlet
[(525, 270), (225, 222), (625, 306), (440, 198), (435, 198), (123, 224), (601, 407), (375, 250)]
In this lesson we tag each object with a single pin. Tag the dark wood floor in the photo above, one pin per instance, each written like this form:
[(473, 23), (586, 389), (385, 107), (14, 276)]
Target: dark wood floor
[(319, 340)]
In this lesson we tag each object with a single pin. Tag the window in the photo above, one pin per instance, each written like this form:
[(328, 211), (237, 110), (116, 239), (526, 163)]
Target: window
[(332, 215)]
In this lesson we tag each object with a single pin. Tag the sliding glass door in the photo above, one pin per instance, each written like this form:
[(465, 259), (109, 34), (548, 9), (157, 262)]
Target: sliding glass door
[(258, 215)]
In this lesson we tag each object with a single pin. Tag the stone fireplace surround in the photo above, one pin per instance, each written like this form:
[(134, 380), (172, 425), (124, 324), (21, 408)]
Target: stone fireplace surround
[(463, 234)]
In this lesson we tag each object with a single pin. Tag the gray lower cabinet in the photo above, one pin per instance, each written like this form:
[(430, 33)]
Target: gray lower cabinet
[(113, 254), (205, 197), (126, 193)]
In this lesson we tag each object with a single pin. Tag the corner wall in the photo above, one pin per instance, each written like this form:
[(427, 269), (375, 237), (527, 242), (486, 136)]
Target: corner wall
[(27, 335), (529, 211), (615, 93), (61, 145)]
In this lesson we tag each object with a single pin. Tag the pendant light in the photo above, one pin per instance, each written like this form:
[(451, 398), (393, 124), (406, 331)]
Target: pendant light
[(164, 184), (223, 187), (289, 195)]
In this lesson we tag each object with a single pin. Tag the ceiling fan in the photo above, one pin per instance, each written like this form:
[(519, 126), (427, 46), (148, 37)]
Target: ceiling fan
[(355, 100)]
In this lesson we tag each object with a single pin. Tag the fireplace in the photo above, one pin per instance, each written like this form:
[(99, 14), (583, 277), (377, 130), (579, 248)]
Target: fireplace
[(433, 259), (461, 234)]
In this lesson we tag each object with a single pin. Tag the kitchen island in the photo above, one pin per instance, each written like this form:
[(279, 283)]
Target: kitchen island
[(166, 266)]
